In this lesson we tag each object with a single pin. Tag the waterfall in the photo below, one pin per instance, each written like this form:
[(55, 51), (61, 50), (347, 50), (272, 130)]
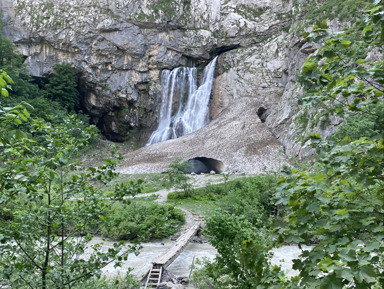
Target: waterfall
[(184, 108)]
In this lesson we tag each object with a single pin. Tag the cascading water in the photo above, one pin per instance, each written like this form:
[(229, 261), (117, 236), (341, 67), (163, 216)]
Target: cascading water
[(184, 107)]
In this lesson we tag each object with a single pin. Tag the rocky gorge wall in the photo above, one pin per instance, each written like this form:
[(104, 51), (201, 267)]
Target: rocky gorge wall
[(120, 47)]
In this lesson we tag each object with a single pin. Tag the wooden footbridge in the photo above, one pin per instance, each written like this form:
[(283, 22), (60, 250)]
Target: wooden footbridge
[(153, 276)]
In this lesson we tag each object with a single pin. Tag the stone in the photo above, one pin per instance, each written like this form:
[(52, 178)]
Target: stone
[(119, 48), (169, 285), (183, 280), (237, 138)]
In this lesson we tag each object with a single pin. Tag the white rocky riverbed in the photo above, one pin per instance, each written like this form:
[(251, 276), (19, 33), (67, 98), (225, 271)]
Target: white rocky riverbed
[(283, 256)]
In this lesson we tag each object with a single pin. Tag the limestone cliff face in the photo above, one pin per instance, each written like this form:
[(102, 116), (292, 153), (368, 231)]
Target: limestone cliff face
[(120, 47)]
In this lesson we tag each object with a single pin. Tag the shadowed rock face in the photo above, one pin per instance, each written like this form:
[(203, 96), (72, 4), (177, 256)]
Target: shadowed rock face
[(120, 47)]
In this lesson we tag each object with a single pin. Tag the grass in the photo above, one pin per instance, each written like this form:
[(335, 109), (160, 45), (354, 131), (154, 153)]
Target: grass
[(202, 208), (152, 182)]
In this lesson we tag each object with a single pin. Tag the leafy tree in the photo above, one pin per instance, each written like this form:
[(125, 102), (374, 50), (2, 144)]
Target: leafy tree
[(341, 209), (242, 259), (252, 199), (361, 125), (177, 175), (50, 205), (62, 86)]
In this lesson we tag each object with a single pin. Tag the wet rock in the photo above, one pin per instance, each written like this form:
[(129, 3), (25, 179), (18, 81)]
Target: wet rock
[(169, 285), (168, 277), (197, 239), (183, 280)]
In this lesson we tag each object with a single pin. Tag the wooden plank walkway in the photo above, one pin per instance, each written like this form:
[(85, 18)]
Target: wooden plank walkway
[(153, 276), (168, 257)]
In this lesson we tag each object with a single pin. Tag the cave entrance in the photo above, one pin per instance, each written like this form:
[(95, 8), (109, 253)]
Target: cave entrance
[(262, 113), (205, 165)]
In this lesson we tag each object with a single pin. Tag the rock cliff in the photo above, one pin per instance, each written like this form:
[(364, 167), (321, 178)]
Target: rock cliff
[(120, 47)]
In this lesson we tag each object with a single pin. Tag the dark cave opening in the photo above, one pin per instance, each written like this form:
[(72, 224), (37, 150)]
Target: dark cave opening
[(262, 113), (205, 165)]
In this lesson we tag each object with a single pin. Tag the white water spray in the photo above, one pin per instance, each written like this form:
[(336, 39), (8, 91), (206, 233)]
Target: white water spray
[(184, 107)]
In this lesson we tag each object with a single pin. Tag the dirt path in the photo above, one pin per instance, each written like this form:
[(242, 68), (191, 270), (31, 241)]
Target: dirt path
[(197, 182)]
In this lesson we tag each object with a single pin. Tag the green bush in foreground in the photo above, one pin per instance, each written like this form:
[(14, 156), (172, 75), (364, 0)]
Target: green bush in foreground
[(118, 282), (142, 220), (242, 260), (250, 197)]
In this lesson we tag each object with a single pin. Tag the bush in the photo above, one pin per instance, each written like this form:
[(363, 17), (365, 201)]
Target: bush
[(62, 86), (142, 220), (362, 125), (127, 282), (177, 176), (251, 196), (242, 259)]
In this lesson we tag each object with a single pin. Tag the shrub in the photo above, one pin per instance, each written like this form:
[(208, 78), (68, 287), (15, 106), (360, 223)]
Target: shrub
[(142, 220), (62, 86), (362, 125), (118, 282), (177, 176)]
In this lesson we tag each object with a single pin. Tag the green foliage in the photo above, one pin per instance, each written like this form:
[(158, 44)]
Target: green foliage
[(238, 231), (62, 86), (177, 175), (5, 83), (24, 89), (251, 197), (338, 75), (10, 60), (52, 104), (362, 125), (341, 208), (211, 192), (151, 182), (253, 200), (318, 10), (50, 204), (142, 220), (127, 282), (242, 259)]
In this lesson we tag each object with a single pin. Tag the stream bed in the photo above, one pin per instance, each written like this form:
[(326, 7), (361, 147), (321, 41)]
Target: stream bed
[(283, 256)]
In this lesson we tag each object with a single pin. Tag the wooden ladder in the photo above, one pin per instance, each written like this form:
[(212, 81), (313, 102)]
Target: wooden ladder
[(154, 277)]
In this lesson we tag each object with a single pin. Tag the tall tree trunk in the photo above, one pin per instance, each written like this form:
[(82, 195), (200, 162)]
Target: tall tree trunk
[(48, 245)]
